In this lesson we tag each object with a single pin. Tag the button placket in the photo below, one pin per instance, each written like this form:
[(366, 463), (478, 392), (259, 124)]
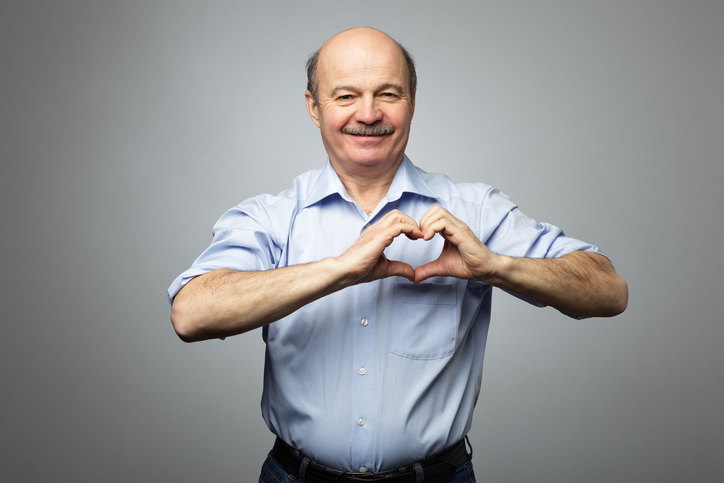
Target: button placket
[(362, 382)]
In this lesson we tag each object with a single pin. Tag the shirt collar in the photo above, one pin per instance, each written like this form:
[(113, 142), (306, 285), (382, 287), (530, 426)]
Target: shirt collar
[(408, 179)]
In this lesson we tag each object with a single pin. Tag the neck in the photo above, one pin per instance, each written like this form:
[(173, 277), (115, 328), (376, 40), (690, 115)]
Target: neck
[(367, 188)]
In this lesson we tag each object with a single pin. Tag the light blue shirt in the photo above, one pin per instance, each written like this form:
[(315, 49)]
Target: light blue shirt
[(381, 374)]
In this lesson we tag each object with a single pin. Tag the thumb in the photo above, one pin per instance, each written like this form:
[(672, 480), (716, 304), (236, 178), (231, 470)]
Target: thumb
[(400, 269), (430, 269)]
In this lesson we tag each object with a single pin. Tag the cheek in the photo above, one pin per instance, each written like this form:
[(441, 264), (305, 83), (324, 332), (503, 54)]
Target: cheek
[(334, 123), (400, 118)]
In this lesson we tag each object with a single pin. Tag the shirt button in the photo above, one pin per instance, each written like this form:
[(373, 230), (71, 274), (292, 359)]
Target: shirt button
[(362, 469), (361, 422), (362, 371), (364, 322)]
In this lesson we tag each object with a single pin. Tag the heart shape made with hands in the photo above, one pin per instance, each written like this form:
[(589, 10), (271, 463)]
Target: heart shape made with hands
[(447, 264), (461, 255)]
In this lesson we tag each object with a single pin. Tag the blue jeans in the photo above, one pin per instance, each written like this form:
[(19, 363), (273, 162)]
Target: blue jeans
[(272, 472)]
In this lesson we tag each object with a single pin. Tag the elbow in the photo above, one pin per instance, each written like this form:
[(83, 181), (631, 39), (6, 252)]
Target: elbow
[(190, 322), (186, 328), (607, 300), (617, 299), (623, 297)]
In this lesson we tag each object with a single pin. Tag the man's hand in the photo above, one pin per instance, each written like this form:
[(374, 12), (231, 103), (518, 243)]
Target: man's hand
[(222, 303), (579, 283), (463, 254), (365, 259)]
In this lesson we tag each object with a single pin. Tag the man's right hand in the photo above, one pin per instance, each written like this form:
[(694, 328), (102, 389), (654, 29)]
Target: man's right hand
[(365, 260), (222, 303)]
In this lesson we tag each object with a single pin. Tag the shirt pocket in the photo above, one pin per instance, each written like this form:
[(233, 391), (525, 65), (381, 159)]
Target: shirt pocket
[(424, 320)]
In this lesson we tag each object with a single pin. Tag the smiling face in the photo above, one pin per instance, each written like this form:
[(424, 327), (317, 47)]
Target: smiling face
[(364, 108)]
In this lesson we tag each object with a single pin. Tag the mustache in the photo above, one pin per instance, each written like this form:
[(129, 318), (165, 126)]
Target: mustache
[(369, 130)]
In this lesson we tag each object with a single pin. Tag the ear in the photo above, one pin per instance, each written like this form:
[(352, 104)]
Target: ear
[(312, 107)]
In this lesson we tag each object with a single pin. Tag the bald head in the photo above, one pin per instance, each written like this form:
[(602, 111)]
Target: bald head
[(359, 37)]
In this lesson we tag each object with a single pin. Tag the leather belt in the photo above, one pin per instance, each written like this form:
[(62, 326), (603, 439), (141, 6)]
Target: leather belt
[(437, 468)]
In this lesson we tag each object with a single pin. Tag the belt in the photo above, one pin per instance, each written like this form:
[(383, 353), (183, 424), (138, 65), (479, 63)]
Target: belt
[(437, 468)]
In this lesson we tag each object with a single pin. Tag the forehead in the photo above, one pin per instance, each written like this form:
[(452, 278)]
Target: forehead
[(364, 63)]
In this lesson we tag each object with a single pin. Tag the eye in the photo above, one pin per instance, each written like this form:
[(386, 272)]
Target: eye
[(389, 95), (345, 97)]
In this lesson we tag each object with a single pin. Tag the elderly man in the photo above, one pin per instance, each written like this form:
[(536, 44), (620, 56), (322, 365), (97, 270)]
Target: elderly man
[(376, 326)]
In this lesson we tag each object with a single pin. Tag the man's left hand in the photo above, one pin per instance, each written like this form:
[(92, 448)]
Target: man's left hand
[(578, 283), (463, 254)]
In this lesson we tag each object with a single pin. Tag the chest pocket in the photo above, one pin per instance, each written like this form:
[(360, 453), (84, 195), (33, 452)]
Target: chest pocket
[(424, 320)]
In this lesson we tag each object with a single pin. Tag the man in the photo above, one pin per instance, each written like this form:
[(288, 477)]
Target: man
[(375, 340)]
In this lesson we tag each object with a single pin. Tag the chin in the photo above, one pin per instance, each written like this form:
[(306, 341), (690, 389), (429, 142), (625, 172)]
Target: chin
[(372, 161), (375, 157)]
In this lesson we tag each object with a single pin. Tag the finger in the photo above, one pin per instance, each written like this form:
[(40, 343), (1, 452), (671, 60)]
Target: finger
[(396, 216), (435, 220), (442, 226), (436, 213), (451, 229), (398, 222), (431, 215), (411, 230), (431, 269), (400, 269)]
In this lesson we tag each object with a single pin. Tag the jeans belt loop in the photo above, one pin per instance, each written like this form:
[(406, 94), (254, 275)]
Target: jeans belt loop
[(419, 473), (303, 469)]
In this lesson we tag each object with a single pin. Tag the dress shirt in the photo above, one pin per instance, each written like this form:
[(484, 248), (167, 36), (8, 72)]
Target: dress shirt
[(380, 374)]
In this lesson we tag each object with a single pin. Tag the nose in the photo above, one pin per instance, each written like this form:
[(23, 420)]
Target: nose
[(368, 112)]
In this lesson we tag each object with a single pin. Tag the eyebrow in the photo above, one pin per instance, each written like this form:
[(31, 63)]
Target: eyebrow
[(383, 87)]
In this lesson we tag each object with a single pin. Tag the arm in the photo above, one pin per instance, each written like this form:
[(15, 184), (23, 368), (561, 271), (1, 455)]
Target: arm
[(222, 303), (579, 283)]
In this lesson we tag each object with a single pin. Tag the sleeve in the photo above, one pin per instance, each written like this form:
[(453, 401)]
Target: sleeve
[(507, 231), (242, 240)]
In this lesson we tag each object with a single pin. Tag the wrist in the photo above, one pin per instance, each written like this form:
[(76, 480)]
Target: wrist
[(496, 270), (340, 276)]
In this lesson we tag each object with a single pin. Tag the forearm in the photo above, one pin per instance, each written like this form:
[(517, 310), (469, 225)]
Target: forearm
[(579, 283), (227, 302), (223, 303)]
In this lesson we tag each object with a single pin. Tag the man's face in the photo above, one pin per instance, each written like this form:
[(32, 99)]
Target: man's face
[(365, 108)]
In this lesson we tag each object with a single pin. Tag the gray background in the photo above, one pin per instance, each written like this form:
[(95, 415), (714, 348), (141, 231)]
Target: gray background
[(127, 128)]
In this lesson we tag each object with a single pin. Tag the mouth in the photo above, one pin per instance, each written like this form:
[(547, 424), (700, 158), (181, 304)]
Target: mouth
[(369, 130)]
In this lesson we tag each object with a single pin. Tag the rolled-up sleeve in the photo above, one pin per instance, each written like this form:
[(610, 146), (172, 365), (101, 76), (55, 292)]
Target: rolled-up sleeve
[(507, 231), (242, 240)]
